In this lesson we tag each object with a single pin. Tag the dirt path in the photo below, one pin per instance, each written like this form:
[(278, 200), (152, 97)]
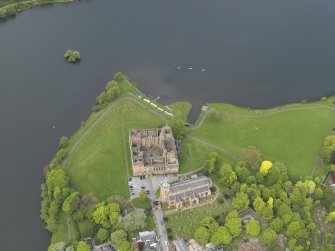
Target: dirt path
[(214, 146)]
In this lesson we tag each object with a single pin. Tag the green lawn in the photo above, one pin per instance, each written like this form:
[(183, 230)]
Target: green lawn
[(61, 233), (142, 204), (180, 109), (183, 224), (97, 164), (293, 137), (195, 154)]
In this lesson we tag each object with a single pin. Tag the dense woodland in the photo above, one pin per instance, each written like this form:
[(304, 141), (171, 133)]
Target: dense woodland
[(299, 214)]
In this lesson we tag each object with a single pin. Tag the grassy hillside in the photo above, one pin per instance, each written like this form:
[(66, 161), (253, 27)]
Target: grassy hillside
[(97, 164), (291, 134)]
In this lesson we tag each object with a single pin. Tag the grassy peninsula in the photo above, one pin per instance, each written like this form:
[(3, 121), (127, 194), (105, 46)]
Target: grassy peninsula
[(88, 176)]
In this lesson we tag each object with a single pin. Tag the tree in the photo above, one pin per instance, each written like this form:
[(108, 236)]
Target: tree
[(293, 228), (212, 162), (59, 246), (113, 90), (209, 223), (114, 212), (277, 224), (270, 202), (102, 99), (71, 203), (72, 56), (277, 173), (330, 217), (253, 228), (102, 234), (221, 236), (119, 77), (326, 154), (242, 172), (267, 213), (57, 178), (309, 185), (118, 236), (63, 142), (82, 246), (228, 176), (251, 156), (133, 221), (124, 246), (3, 13), (234, 225), (265, 167), (330, 142), (240, 202), (142, 195), (100, 216), (258, 204), (178, 128), (268, 236), (201, 235)]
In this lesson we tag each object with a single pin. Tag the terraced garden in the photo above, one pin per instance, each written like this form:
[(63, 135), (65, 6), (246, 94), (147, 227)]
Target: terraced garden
[(183, 224)]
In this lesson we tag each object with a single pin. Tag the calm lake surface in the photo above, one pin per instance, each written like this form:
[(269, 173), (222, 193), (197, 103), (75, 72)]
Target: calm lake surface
[(258, 53)]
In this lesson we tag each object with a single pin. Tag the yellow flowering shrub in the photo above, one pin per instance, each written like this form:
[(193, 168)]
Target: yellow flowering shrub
[(265, 166)]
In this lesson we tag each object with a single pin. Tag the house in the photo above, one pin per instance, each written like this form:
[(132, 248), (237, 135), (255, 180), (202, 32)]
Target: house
[(186, 192), (249, 214), (104, 247), (212, 247), (153, 151), (147, 240)]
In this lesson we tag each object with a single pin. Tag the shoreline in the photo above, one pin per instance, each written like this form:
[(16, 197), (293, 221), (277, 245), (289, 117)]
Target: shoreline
[(10, 10)]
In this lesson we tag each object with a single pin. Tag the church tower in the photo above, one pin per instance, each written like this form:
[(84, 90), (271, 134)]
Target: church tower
[(165, 190)]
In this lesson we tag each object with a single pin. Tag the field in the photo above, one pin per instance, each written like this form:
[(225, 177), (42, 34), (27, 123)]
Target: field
[(62, 233), (291, 134), (183, 224), (195, 154), (97, 164)]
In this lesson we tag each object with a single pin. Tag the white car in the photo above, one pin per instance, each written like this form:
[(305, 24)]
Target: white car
[(166, 243), (146, 100), (160, 109), (154, 105)]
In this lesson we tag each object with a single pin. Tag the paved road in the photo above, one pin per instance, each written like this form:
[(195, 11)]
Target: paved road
[(158, 215)]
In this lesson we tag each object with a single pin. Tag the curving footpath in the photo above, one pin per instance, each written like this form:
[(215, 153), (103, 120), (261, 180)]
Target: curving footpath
[(103, 115)]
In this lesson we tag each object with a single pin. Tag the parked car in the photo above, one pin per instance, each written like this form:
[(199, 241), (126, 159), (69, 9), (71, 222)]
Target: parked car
[(132, 193)]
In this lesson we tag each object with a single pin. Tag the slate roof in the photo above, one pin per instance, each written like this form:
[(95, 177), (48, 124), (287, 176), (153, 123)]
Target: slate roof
[(193, 193), (189, 184), (148, 236)]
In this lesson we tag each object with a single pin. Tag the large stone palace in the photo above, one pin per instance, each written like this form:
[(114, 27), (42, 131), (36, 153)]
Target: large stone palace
[(153, 151), (187, 192)]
